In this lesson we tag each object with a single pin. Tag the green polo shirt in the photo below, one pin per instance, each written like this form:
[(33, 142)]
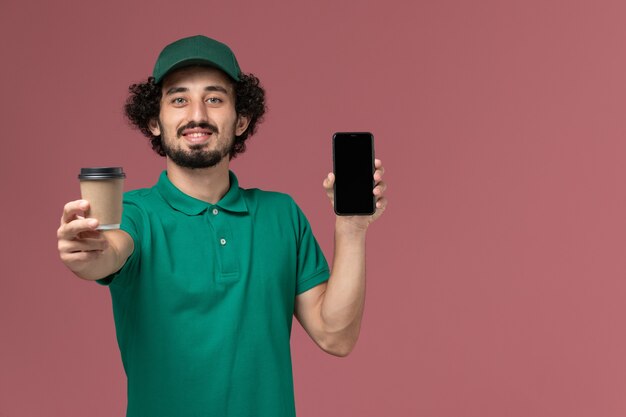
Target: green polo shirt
[(204, 305)]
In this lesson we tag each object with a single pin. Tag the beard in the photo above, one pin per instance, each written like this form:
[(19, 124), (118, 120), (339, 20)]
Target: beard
[(197, 156)]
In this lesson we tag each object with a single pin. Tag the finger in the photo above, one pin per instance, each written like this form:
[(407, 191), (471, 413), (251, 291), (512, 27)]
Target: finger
[(381, 204), (86, 245), (380, 169), (83, 245), (72, 259), (378, 175), (73, 209), (329, 181), (380, 188), (328, 184), (72, 229), (91, 234)]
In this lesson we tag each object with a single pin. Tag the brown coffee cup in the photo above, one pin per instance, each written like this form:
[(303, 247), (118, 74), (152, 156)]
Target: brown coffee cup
[(103, 188)]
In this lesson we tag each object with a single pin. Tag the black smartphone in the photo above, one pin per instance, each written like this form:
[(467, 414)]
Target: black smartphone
[(353, 165)]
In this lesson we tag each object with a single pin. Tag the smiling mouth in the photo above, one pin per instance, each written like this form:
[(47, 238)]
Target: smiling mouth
[(197, 136)]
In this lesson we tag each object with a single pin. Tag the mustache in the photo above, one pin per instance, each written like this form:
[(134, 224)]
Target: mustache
[(201, 125)]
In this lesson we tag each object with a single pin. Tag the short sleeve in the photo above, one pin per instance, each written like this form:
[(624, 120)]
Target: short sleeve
[(131, 224), (312, 268)]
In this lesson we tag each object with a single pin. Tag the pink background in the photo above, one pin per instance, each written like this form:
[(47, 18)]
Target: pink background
[(496, 277)]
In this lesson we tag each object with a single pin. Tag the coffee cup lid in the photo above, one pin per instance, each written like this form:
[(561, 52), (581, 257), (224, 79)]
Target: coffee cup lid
[(102, 173)]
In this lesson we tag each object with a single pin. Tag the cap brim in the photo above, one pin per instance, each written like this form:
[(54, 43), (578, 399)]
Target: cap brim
[(188, 62)]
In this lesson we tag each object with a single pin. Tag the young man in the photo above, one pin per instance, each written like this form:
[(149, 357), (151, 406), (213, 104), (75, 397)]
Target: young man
[(205, 276)]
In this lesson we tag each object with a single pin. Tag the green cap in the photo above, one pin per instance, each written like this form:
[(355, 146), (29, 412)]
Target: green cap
[(196, 50)]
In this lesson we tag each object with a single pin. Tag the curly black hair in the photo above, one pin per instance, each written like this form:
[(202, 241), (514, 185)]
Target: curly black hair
[(144, 101)]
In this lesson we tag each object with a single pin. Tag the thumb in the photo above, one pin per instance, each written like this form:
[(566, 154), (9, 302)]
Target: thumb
[(329, 180)]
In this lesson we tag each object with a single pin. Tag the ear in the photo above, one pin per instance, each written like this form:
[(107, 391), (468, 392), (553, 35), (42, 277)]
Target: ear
[(154, 127), (242, 124)]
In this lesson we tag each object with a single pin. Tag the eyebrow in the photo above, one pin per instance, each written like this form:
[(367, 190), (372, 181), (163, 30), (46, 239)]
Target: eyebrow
[(175, 90)]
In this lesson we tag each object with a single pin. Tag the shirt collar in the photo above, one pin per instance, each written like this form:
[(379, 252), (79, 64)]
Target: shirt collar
[(232, 201)]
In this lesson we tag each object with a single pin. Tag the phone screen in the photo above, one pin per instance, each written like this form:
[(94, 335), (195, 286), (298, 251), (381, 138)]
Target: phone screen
[(353, 161)]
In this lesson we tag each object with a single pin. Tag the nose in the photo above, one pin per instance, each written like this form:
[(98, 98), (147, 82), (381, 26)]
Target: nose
[(198, 111)]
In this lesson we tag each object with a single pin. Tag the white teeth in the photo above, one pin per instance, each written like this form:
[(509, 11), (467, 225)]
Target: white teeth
[(196, 135)]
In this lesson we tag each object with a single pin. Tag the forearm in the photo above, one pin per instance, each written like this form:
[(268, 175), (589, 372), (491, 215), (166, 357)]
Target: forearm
[(343, 303), (332, 315)]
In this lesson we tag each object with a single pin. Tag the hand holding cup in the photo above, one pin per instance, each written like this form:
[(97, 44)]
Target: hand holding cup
[(80, 237), (79, 241)]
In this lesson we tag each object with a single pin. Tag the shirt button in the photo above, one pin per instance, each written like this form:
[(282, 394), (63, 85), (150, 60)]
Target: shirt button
[(222, 241), (215, 211)]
